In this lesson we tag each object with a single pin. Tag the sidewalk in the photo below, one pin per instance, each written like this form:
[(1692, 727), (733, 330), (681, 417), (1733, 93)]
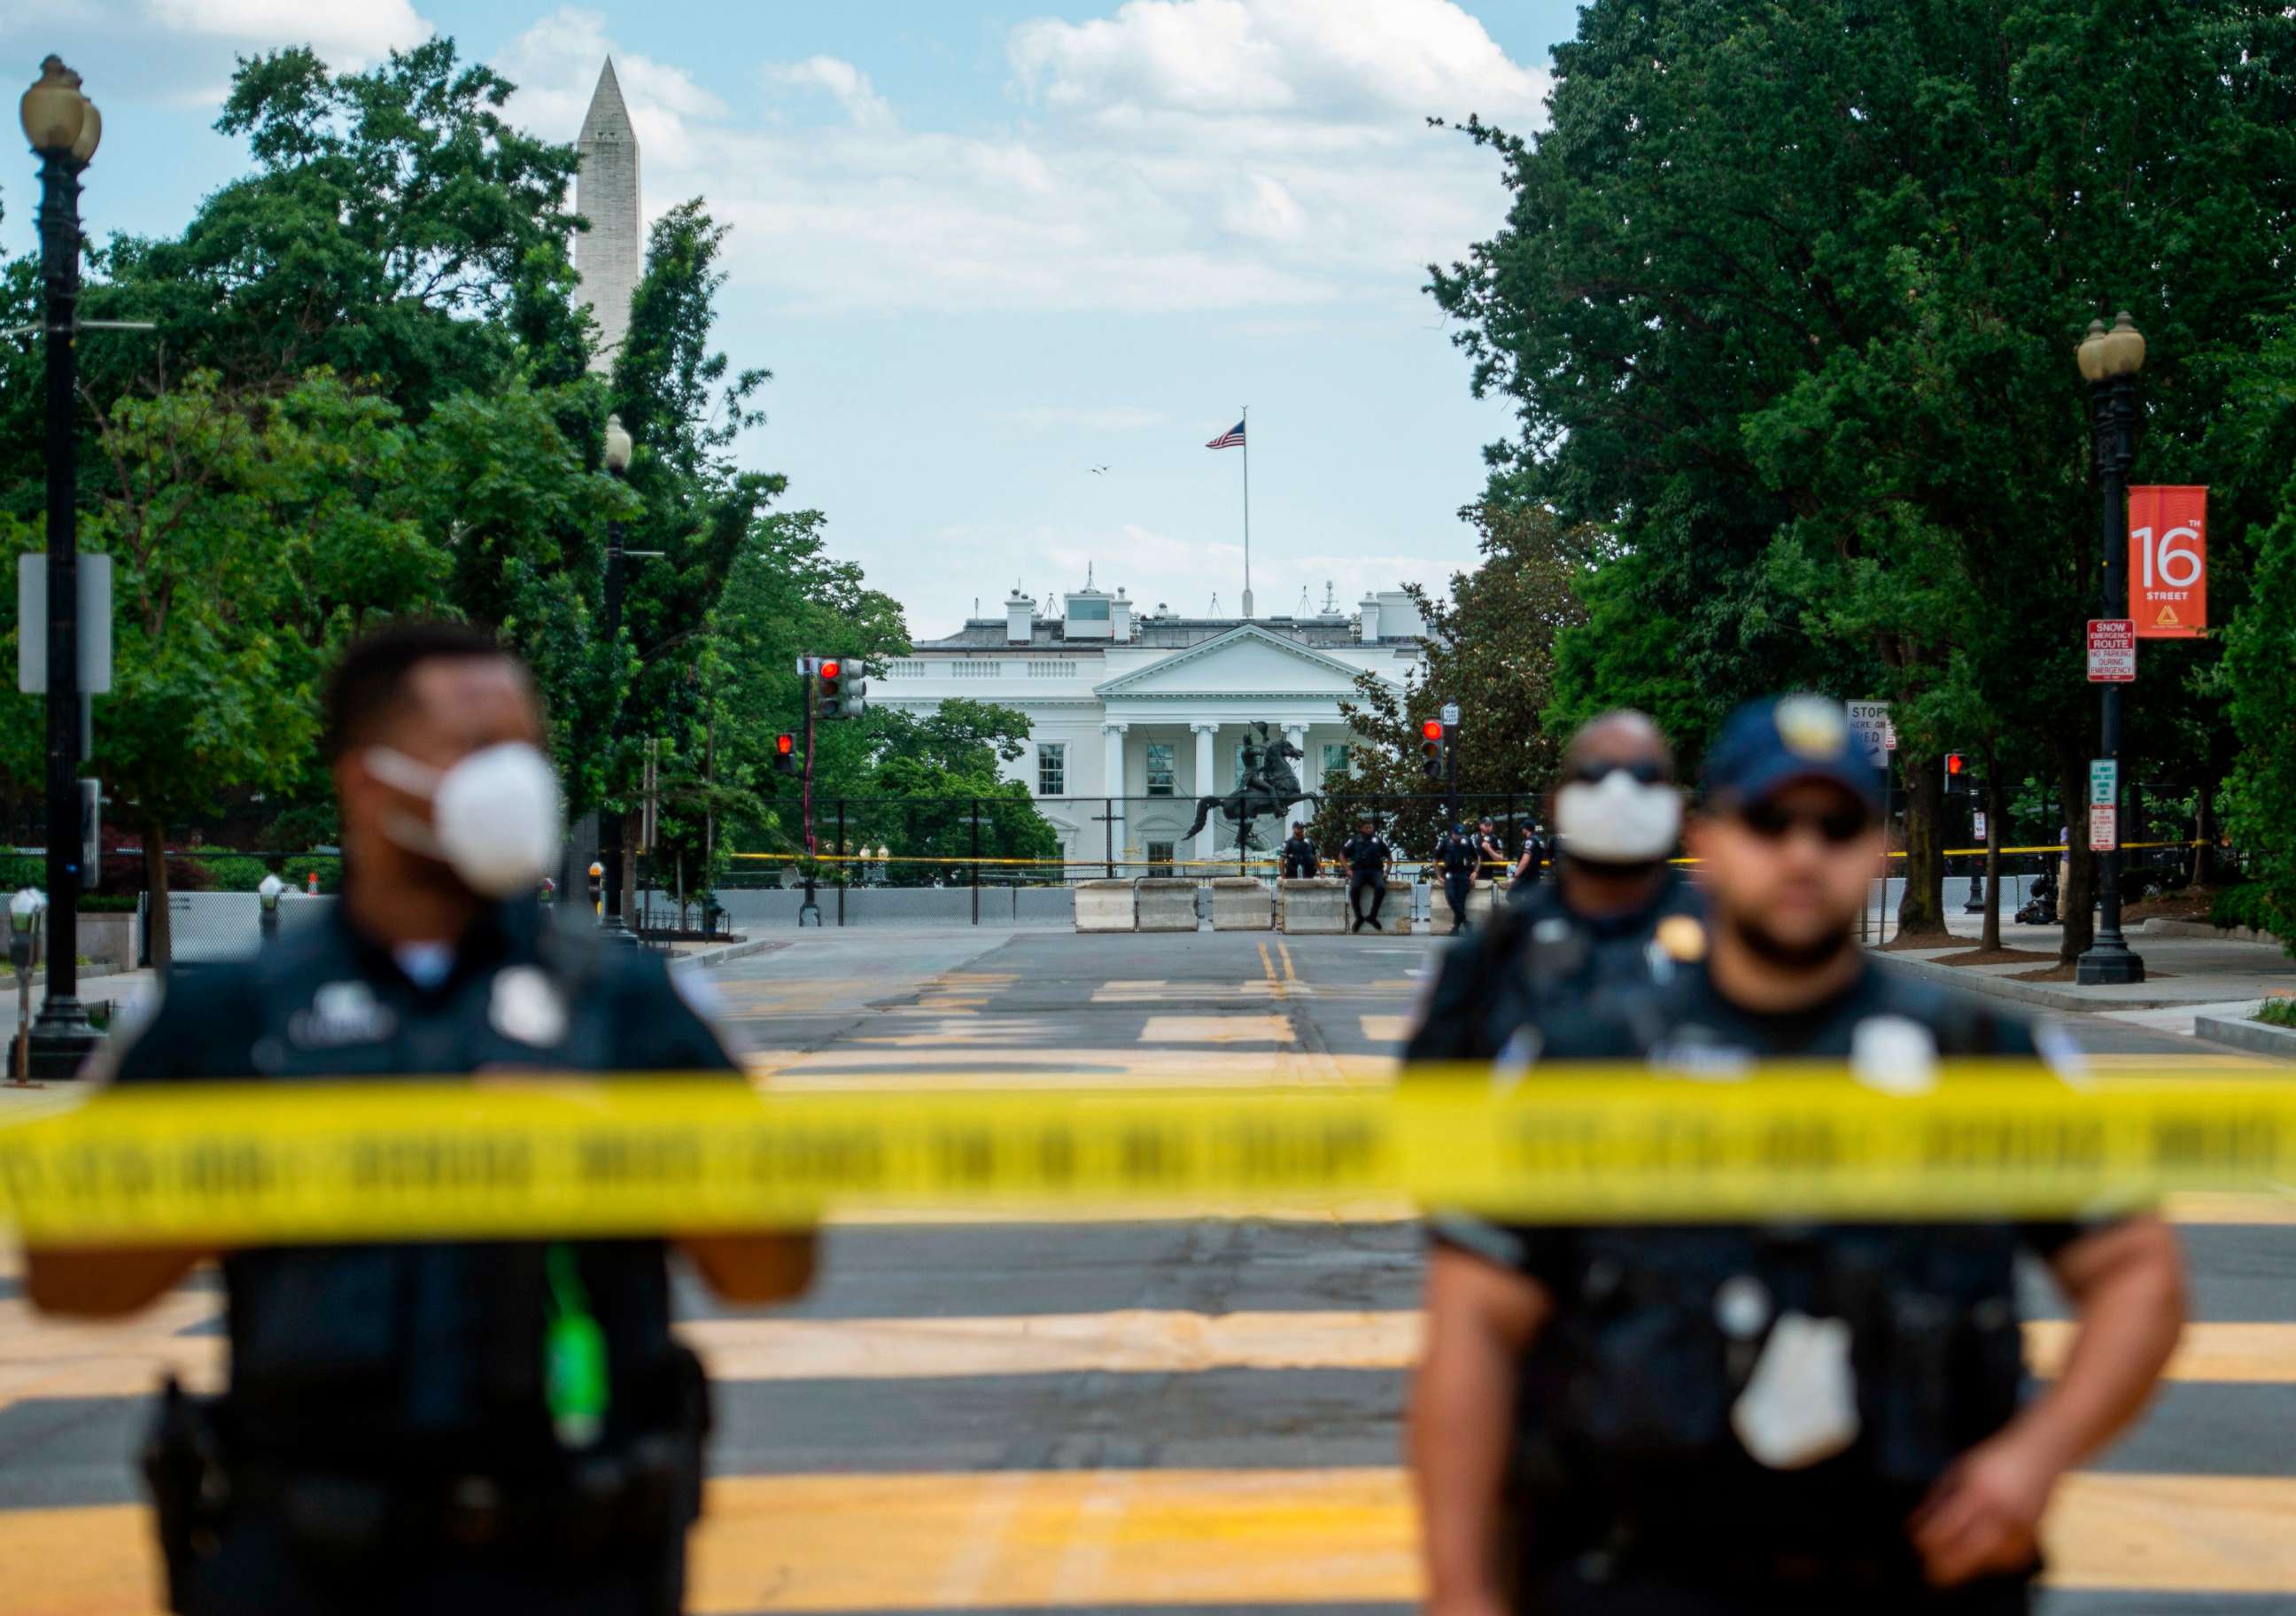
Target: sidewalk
[(2185, 977)]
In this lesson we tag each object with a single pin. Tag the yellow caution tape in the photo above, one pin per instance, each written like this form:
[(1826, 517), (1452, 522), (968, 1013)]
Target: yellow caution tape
[(226, 1165)]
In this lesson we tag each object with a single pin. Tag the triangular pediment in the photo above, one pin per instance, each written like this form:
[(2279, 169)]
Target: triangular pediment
[(1245, 660)]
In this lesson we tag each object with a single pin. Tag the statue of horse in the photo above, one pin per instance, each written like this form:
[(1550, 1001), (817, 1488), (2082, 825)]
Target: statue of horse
[(1270, 787)]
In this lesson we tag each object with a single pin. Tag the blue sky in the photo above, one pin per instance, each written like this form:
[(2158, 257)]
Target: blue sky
[(985, 252)]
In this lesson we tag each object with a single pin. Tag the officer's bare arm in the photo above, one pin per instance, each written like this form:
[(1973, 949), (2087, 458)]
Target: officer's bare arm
[(1481, 1320), (103, 1281), (754, 1267), (2127, 1285)]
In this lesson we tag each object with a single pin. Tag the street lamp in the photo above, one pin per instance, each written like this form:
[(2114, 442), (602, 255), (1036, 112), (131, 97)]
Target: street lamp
[(63, 127), (618, 466), (2108, 362)]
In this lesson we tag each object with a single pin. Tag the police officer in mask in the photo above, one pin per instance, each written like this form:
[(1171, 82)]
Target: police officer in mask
[(1729, 1420), (432, 1427), (1590, 931)]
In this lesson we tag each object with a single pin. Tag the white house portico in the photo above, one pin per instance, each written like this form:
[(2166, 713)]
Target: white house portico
[(1154, 710)]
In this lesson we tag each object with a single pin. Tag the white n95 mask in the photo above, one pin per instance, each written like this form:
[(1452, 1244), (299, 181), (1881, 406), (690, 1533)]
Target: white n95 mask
[(495, 815), (1618, 819)]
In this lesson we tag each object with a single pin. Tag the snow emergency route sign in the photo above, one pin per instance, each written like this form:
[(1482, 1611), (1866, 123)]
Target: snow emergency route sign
[(2111, 651), (2168, 561)]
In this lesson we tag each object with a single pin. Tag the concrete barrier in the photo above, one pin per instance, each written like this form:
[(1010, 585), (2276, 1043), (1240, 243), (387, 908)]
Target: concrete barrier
[(1241, 903), (1485, 898), (1106, 906), (1167, 906), (1314, 906)]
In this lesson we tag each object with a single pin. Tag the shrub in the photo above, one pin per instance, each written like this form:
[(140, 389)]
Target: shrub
[(297, 874), (2250, 904), (2277, 1012), (108, 903), (230, 872)]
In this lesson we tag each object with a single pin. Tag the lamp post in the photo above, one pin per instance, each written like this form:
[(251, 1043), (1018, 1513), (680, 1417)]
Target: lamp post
[(2108, 362), (618, 466), (63, 127)]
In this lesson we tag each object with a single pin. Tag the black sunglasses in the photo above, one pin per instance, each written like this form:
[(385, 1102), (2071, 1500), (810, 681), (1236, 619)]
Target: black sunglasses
[(1642, 769), (1836, 827)]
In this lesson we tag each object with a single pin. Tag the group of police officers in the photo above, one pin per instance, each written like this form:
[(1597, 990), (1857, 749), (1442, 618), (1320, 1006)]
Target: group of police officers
[(1661, 1421)]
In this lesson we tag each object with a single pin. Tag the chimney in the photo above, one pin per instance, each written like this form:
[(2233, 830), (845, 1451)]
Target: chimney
[(1398, 618), (1370, 619), (1119, 616), (1019, 612)]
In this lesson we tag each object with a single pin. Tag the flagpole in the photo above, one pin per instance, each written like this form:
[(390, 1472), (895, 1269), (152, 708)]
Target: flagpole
[(1244, 425)]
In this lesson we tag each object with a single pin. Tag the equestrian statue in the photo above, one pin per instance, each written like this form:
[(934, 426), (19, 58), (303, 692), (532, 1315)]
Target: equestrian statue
[(1269, 789)]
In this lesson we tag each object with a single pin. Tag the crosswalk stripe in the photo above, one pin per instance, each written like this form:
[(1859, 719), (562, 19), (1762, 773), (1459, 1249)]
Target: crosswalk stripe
[(1293, 1539), (49, 1361)]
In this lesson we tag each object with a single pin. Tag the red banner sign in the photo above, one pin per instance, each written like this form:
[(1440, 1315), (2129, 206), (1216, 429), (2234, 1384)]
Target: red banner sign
[(2168, 561)]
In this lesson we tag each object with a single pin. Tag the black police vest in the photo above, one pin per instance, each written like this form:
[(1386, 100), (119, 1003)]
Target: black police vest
[(1629, 1390), (427, 1354)]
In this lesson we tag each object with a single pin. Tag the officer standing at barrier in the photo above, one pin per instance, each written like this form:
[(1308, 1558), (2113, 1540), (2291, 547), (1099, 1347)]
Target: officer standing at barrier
[(1459, 859), (1728, 1421), (1589, 932), (1493, 851), (1300, 860), (1367, 855), (433, 1428)]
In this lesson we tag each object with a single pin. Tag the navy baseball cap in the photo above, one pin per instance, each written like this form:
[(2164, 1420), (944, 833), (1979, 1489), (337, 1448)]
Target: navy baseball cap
[(1768, 745)]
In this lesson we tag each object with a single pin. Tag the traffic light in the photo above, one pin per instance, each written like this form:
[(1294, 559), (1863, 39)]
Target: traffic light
[(1430, 749), (841, 691), (1956, 775), (787, 760)]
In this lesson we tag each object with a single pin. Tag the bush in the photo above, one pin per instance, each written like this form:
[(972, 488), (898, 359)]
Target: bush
[(297, 874), (2248, 905), (2277, 1012), (229, 872), (108, 903)]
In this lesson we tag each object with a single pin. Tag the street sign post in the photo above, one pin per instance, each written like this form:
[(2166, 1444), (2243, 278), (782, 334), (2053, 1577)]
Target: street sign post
[(2111, 651), (2168, 561), (1877, 737), (2104, 805)]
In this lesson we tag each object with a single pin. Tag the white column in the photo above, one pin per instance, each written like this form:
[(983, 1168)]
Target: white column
[(1297, 733), (1207, 840), (1111, 775)]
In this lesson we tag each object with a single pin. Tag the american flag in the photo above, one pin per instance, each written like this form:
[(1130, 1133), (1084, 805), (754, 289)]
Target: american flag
[(1230, 439)]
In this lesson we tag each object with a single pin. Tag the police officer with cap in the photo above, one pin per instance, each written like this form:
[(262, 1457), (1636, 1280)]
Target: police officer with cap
[(1806, 1418), (432, 1427), (1616, 914), (1300, 860), (1459, 859)]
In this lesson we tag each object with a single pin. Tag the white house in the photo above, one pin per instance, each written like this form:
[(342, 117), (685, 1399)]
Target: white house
[(1150, 709)]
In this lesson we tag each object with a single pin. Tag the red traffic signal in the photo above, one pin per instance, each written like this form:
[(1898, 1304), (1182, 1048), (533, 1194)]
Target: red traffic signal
[(1432, 729), (785, 744), (1953, 763), (829, 669)]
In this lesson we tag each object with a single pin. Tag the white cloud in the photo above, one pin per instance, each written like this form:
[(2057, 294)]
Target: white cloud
[(346, 34), (848, 85), (1209, 155)]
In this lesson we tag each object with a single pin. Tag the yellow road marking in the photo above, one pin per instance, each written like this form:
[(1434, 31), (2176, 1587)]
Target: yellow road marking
[(44, 1360), (1289, 974), (1243, 1029), (1314, 1537)]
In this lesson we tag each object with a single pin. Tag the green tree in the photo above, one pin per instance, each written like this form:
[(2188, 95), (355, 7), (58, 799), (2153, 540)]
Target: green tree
[(2260, 647), (1787, 295), (249, 536)]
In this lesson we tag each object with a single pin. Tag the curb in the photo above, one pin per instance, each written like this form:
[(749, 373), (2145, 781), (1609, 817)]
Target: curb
[(86, 974), (2157, 927), (2045, 995), (707, 957), (2257, 1037)]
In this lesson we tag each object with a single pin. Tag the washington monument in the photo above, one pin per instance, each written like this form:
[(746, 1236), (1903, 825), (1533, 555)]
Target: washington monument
[(609, 257)]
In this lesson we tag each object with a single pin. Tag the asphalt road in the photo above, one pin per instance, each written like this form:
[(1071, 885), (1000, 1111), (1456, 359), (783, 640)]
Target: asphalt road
[(1145, 1413)]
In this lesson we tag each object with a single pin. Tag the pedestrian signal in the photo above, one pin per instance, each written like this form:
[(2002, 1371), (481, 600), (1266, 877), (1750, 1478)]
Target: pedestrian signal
[(1430, 749), (1956, 772), (786, 760)]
